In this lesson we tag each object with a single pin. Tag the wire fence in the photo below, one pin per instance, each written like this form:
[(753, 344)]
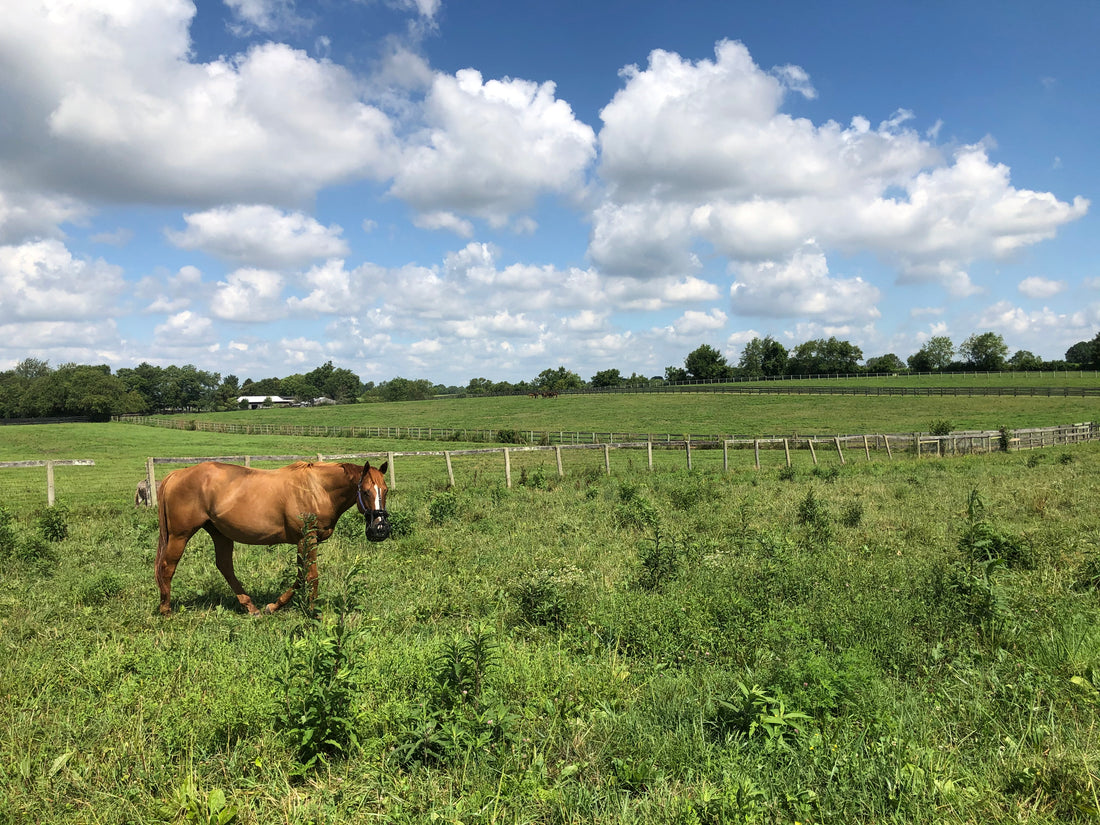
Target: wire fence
[(34, 484)]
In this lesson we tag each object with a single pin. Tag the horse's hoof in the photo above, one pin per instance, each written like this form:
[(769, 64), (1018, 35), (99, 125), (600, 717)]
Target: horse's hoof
[(271, 608)]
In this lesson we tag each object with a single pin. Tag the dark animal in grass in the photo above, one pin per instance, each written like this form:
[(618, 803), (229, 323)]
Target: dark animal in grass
[(234, 503)]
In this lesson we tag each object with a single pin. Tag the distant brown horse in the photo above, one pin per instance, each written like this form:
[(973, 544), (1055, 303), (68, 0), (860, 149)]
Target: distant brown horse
[(234, 503)]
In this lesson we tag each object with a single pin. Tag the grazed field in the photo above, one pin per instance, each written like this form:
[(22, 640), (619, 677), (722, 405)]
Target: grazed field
[(884, 641)]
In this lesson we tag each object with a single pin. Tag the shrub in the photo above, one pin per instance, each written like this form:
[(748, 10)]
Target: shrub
[(981, 541), (660, 561), (966, 593), (753, 713), (53, 523), (940, 427), (99, 589), (443, 507), (535, 479), (458, 722), (852, 515), (511, 436), (318, 689), (548, 597), (401, 524)]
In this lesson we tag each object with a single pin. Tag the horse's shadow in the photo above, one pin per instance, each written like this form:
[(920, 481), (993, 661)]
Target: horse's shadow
[(212, 598)]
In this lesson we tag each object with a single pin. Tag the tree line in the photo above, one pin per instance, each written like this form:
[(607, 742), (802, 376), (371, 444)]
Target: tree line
[(34, 389)]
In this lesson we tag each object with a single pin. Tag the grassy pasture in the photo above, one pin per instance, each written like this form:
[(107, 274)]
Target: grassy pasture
[(700, 413), (887, 641)]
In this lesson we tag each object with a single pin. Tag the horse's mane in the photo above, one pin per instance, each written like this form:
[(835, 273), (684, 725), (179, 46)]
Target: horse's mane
[(299, 465)]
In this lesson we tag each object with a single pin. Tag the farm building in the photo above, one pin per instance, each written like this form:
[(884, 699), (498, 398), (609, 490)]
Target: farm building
[(256, 401)]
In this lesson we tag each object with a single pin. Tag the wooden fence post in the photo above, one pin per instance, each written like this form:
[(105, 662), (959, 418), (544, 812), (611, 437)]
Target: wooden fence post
[(725, 456), (787, 451), (649, 452), (866, 448), (607, 458), (688, 448), (507, 467), (393, 470), (839, 452), (557, 456), (756, 451), (49, 484), (450, 470), (886, 441), (813, 452)]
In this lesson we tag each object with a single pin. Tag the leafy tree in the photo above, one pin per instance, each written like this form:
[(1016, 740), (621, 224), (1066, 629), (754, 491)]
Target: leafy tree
[(884, 363), (763, 357), (146, 380), (707, 364), (1080, 353), (820, 356), (75, 389), (987, 352), (674, 374), (479, 386), (936, 354), (335, 382), (265, 387), (557, 380), (32, 368), (188, 387), (300, 387), (607, 378), (1085, 353), (1022, 359), (404, 389)]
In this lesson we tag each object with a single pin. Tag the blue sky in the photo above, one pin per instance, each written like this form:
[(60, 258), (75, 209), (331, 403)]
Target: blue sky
[(487, 189)]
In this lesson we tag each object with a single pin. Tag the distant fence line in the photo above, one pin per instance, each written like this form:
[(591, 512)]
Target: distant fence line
[(550, 438), (799, 389), (916, 444)]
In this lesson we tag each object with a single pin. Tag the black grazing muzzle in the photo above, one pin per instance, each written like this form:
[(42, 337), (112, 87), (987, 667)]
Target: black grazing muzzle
[(378, 525), (378, 520)]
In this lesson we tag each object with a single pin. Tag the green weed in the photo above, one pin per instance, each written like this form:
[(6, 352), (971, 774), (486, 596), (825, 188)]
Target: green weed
[(53, 523), (443, 507)]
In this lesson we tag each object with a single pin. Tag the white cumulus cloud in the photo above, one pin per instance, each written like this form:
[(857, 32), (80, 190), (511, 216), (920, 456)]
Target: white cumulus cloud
[(259, 235)]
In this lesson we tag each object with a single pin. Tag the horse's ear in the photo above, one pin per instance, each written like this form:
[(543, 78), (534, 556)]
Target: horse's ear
[(385, 466)]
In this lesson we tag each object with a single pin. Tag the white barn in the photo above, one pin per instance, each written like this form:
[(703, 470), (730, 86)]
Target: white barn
[(256, 401)]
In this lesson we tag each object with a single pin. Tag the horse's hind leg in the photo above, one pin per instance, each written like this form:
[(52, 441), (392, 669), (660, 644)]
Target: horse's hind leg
[(307, 574), (168, 556), (223, 557)]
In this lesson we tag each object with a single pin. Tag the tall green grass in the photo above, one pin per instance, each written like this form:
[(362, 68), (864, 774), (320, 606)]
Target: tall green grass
[(881, 641)]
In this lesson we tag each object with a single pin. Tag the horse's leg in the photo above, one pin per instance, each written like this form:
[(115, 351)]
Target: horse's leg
[(168, 556), (223, 557), (307, 559)]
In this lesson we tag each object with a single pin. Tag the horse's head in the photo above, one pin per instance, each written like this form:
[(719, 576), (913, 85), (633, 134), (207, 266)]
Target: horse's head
[(371, 498)]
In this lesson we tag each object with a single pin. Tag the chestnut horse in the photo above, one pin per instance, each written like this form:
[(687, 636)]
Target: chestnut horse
[(234, 503)]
